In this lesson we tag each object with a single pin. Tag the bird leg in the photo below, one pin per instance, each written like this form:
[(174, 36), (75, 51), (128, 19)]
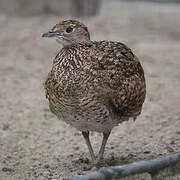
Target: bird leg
[(102, 149), (86, 137)]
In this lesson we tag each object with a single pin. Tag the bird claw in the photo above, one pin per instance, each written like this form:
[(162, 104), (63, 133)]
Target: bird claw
[(100, 163), (89, 167)]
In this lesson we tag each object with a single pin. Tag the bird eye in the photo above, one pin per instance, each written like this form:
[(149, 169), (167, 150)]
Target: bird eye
[(69, 30)]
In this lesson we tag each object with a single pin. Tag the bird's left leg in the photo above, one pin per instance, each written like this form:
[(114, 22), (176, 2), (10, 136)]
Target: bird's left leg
[(102, 149), (86, 137)]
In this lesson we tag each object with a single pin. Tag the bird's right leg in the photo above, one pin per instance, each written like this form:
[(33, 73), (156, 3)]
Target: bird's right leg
[(104, 141), (86, 137)]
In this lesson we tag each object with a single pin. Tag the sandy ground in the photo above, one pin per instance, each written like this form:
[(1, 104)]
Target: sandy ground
[(34, 144)]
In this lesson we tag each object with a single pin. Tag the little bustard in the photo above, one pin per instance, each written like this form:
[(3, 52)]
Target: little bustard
[(93, 85)]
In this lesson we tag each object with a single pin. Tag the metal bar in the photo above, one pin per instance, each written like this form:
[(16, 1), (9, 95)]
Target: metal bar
[(151, 166)]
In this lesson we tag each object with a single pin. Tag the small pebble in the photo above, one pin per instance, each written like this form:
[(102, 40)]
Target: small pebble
[(147, 152), (5, 127), (46, 166), (7, 169), (76, 148)]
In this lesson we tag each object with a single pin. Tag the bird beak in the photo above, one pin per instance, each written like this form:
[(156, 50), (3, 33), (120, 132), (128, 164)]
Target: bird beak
[(49, 34)]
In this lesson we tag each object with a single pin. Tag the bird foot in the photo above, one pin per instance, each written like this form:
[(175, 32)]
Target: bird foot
[(95, 166), (89, 167), (100, 163)]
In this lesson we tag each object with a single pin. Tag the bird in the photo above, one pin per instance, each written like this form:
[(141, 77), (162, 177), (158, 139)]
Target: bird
[(93, 85)]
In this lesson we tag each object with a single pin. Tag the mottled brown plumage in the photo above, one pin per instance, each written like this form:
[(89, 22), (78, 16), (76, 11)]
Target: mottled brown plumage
[(93, 86)]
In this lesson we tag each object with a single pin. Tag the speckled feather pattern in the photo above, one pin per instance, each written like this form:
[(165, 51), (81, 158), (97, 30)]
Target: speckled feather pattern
[(94, 86)]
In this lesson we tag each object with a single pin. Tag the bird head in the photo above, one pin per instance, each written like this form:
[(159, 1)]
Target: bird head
[(68, 32)]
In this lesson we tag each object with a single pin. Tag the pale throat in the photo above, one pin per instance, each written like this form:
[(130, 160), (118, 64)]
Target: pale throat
[(63, 41), (66, 42)]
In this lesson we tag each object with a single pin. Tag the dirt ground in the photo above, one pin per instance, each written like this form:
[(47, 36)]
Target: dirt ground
[(34, 144)]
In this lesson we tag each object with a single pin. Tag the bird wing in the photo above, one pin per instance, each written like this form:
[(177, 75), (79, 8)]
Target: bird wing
[(120, 77)]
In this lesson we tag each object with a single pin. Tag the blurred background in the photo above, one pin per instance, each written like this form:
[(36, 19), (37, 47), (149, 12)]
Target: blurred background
[(58, 7), (33, 143)]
